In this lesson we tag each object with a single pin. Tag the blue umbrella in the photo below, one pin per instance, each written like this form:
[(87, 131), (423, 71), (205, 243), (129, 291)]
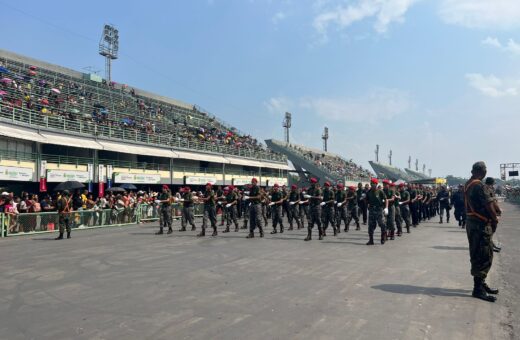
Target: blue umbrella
[(4, 70)]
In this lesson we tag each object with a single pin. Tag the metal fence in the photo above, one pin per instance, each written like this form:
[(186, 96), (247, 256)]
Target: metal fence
[(43, 222)]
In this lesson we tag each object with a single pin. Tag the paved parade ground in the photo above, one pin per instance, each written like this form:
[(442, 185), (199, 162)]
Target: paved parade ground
[(127, 283)]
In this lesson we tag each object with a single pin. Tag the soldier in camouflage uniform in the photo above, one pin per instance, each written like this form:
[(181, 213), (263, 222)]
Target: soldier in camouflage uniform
[(315, 198), (327, 210), (276, 208), (481, 223), (266, 211), (352, 208), (255, 210), (390, 217), (165, 210), (376, 200), (64, 206), (443, 197), (210, 212), (404, 206), (187, 209), (231, 201), (362, 202), (304, 207), (341, 207), (245, 207), (293, 215), (490, 189)]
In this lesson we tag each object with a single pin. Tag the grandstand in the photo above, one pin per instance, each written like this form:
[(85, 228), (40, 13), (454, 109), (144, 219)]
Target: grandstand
[(416, 175), (393, 173), (325, 166), (57, 123)]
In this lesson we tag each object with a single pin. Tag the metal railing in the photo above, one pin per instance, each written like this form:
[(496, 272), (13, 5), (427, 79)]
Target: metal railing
[(46, 222)]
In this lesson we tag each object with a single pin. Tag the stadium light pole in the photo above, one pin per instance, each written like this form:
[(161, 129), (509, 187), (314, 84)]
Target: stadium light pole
[(377, 153), (287, 123), (417, 164), (390, 157), (410, 162), (325, 137), (109, 48)]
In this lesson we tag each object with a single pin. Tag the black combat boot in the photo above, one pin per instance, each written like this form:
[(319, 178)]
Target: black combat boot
[(60, 237), (371, 240), (291, 227), (335, 231), (193, 228), (357, 226), (214, 231), (236, 228), (338, 229), (274, 231), (488, 289), (160, 232), (383, 237), (202, 233), (250, 235), (226, 230), (440, 222), (182, 229), (392, 234), (321, 232), (281, 229), (68, 234), (309, 234), (479, 291), (170, 230), (408, 229), (261, 231)]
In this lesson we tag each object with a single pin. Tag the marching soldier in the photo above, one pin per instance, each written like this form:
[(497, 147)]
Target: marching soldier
[(341, 207), (481, 222), (352, 208), (293, 201), (328, 209), (231, 209), (220, 195), (245, 207), (397, 212), (265, 205), (64, 206), (315, 198), (404, 206), (377, 204), (276, 208), (414, 204), (443, 197), (458, 203), (165, 211), (187, 200), (390, 216), (255, 210), (362, 201), (210, 211), (304, 207)]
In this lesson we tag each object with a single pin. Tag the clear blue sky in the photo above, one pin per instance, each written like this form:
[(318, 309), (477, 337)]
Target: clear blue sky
[(437, 80)]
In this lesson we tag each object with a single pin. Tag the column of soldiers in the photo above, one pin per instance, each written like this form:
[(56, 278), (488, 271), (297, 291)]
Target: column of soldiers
[(391, 207)]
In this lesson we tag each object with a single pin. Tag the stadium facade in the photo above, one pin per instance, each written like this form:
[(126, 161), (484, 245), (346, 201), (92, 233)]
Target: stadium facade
[(58, 124)]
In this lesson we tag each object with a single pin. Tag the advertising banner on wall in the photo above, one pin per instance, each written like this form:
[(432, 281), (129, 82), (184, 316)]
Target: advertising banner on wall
[(13, 173), (54, 176), (199, 180), (122, 177)]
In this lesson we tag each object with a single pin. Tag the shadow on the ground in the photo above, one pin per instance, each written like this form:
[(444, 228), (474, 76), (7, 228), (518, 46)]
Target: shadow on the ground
[(450, 248), (418, 290)]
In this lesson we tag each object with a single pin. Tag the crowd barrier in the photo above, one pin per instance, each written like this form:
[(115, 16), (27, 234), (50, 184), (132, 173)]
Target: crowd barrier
[(45, 222)]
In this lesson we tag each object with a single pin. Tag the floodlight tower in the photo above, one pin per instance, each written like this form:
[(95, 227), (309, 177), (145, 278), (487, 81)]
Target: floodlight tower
[(377, 153), (325, 138), (287, 125), (430, 173), (109, 48), (409, 162), (424, 168), (416, 164), (390, 157)]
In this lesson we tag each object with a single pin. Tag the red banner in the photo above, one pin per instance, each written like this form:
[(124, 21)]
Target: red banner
[(43, 184), (101, 189)]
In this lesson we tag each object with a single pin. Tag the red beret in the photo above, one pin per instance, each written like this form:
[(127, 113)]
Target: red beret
[(374, 180), (254, 180), (401, 185), (294, 186), (209, 184), (314, 180), (340, 185), (352, 187), (392, 184), (276, 185), (385, 181), (231, 187), (165, 187), (327, 184)]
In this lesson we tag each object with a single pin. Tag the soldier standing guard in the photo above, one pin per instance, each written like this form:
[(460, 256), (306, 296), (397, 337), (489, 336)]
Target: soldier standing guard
[(481, 223), (315, 198), (293, 214), (64, 206), (376, 201), (328, 210), (210, 211), (187, 209), (255, 209), (165, 211)]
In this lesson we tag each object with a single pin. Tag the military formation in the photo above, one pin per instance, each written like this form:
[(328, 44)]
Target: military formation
[(395, 208)]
